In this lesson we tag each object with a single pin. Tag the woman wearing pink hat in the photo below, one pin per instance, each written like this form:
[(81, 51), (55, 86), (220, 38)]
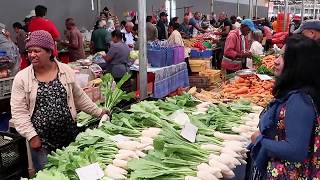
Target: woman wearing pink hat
[(45, 98)]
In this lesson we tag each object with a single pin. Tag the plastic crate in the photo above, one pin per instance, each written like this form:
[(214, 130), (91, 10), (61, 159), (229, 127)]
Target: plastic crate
[(13, 157), (199, 65), (157, 58), (5, 86), (201, 54)]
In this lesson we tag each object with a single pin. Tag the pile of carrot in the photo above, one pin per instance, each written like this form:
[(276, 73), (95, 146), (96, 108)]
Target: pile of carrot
[(252, 88), (268, 61)]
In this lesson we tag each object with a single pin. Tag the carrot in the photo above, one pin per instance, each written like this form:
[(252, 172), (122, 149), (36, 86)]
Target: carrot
[(230, 89), (242, 90)]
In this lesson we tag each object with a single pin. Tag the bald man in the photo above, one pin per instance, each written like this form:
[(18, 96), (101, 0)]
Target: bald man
[(128, 34)]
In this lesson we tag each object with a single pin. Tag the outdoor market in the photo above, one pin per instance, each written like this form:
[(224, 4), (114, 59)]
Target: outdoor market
[(164, 90)]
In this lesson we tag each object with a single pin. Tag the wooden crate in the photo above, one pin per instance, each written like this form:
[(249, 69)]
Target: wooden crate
[(198, 65)]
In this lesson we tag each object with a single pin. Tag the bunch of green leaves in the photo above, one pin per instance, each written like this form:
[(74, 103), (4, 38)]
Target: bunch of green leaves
[(84, 119), (257, 60), (264, 70), (185, 100), (71, 158), (49, 175), (113, 94)]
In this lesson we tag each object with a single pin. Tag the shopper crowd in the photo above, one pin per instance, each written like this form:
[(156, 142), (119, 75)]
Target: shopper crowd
[(45, 97)]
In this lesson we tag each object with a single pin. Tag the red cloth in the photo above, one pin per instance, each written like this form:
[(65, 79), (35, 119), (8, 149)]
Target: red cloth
[(267, 32), (24, 62), (233, 44), (39, 23)]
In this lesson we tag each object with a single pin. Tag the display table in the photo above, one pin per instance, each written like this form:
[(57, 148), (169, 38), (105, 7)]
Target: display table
[(166, 79)]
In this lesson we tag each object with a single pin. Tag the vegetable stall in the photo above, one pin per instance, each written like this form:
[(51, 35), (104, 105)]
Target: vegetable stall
[(178, 137)]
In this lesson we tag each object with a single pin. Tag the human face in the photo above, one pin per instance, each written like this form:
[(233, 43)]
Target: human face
[(279, 63), (16, 30), (197, 16), (128, 29), (38, 56), (313, 34), (245, 30)]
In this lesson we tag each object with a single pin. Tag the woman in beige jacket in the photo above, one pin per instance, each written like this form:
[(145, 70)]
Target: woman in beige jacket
[(45, 98)]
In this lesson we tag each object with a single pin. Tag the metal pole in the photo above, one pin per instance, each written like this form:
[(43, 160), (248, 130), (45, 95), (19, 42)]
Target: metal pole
[(302, 10), (250, 9), (238, 8), (256, 9), (170, 9), (285, 15), (314, 8), (98, 6), (212, 1), (142, 49)]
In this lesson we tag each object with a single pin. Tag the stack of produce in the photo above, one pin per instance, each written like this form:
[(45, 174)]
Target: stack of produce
[(266, 65), (146, 142)]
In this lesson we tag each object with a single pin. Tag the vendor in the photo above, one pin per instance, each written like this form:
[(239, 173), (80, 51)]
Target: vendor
[(256, 46), (195, 22), (118, 56), (45, 99), (175, 37), (237, 47), (128, 32)]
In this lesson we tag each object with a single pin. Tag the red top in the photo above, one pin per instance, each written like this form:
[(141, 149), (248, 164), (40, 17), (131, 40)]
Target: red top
[(39, 23)]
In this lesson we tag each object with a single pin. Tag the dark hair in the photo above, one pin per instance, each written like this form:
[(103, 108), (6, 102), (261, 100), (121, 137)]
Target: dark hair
[(186, 14), (103, 13), (17, 25), (71, 21), (175, 26), (234, 18), (175, 19), (106, 8), (149, 18), (301, 67), (40, 10), (118, 34), (123, 23)]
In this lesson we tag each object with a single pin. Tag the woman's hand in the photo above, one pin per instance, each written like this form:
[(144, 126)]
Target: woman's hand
[(105, 111), (35, 143), (254, 137)]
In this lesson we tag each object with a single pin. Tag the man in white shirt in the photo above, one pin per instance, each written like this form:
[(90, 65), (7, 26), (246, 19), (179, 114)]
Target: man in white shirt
[(128, 34)]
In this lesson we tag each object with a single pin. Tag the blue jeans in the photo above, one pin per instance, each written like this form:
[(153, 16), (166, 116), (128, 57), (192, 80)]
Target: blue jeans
[(39, 158)]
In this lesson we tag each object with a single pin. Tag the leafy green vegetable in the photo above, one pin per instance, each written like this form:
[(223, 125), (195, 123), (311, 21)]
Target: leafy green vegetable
[(264, 70), (257, 60), (49, 175), (84, 119)]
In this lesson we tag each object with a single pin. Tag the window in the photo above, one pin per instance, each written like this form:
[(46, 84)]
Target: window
[(171, 8)]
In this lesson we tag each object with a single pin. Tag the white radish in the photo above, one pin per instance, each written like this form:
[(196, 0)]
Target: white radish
[(128, 152), (116, 169), (257, 108), (140, 153), (217, 164), (151, 132), (243, 161), (141, 146), (148, 148), (230, 152), (234, 143), (211, 147), (228, 174), (114, 176), (229, 136), (205, 175), (235, 148), (125, 157), (231, 159), (206, 167), (129, 145), (120, 163), (191, 178), (146, 140)]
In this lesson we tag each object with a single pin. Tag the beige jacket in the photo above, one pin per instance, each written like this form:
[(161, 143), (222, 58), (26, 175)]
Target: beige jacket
[(24, 94)]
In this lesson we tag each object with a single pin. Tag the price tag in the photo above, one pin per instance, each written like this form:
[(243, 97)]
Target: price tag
[(264, 77), (189, 132), (91, 172)]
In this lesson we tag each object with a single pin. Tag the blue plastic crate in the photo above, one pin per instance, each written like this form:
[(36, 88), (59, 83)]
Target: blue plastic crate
[(169, 57), (156, 57), (200, 54)]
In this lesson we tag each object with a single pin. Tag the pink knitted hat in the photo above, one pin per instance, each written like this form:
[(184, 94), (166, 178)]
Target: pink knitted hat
[(41, 39)]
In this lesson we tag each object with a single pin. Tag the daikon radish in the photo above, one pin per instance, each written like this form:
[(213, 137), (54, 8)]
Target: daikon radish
[(234, 143), (191, 178), (229, 136), (231, 159), (252, 123), (230, 152), (211, 147), (125, 157), (140, 153), (217, 164), (120, 163), (228, 174), (205, 175), (151, 132), (246, 119), (116, 169), (141, 146), (146, 140), (206, 167), (257, 108), (129, 152), (129, 145), (237, 130), (243, 161), (114, 176), (148, 148)]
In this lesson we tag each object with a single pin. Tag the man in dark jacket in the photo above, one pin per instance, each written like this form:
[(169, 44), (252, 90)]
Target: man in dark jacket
[(161, 25)]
